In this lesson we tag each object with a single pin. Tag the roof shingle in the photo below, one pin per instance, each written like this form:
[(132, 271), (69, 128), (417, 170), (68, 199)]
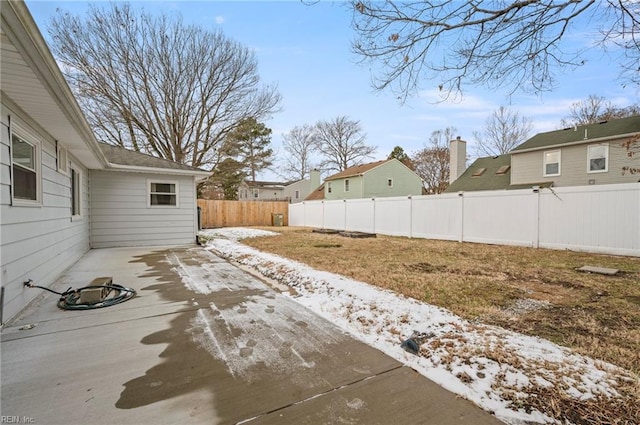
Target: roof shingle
[(122, 156), (356, 170), (581, 133)]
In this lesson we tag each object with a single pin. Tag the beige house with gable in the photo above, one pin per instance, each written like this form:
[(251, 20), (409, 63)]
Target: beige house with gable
[(579, 156)]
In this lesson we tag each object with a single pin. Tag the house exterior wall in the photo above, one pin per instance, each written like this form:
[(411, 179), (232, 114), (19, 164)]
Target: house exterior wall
[(338, 188), (246, 193), (405, 182), (527, 167), (302, 187), (38, 242), (374, 183), (121, 215)]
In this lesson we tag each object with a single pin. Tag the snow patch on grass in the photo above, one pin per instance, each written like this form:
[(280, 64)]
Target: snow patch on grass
[(497, 369)]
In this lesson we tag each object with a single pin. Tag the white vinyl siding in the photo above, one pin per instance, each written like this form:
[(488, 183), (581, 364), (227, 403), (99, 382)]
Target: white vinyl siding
[(121, 216), (37, 243)]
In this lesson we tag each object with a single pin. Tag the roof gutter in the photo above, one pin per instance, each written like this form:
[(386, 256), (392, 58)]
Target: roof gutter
[(579, 142), (151, 170), (18, 17)]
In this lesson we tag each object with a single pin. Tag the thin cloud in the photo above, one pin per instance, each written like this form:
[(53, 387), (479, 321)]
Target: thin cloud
[(219, 20)]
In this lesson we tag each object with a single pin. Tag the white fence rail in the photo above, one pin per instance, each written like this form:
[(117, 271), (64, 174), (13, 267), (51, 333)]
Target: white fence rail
[(602, 219)]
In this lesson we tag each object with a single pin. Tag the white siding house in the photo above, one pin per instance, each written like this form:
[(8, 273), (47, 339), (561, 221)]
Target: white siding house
[(122, 214), (55, 200)]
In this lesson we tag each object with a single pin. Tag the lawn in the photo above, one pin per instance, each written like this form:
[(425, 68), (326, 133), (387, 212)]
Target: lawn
[(533, 291)]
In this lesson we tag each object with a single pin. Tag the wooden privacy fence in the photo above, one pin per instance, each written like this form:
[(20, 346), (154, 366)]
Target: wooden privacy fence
[(219, 213)]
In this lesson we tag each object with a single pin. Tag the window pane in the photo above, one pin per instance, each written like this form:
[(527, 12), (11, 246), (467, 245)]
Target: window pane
[(598, 164), (24, 183), (75, 192), (163, 187), (552, 168), (22, 152), (157, 199), (597, 158), (552, 157)]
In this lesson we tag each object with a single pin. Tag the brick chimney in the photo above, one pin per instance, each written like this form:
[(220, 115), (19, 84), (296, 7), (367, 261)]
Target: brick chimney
[(457, 158)]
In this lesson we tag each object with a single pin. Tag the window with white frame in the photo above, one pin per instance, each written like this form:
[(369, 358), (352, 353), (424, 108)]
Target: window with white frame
[(552, 163), (25, 169), (76, 190), (297, 194), (598, 158), (163, 193), (329, 187), (346, 185)]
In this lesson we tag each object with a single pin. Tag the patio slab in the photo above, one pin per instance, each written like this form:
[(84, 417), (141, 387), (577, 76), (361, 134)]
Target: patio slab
[(203, 342)]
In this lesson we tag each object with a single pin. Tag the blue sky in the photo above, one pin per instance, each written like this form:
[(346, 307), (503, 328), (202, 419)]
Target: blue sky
[(306, 51)]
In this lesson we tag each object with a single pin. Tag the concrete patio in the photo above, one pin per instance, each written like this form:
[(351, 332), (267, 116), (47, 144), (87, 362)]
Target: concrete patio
[(203, 342)]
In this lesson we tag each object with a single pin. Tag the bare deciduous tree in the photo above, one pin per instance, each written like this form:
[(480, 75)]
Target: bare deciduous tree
[(502, 131), (432, 162), (157, 85), (299, 144), (513, 44), (595, 109), (341, 142)]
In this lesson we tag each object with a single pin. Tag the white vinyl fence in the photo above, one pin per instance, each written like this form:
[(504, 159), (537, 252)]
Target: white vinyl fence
[(602, 219)]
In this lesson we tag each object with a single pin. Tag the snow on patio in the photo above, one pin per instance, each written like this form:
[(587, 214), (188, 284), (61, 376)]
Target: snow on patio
[(497, 369)]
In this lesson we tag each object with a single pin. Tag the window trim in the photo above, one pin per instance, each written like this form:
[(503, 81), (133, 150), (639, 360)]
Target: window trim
[(76, 192), (346, 185), (62, 159), (149, 193), (29, 138), (328, 187), (544, 163), (606, 158), (390, 183), (297, 194)]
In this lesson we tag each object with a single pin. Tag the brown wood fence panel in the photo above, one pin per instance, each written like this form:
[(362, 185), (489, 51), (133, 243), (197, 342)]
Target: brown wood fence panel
[(219, 213)]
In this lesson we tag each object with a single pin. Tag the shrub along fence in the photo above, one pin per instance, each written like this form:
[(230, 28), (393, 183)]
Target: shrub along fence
[(221, 213), (602, 218)]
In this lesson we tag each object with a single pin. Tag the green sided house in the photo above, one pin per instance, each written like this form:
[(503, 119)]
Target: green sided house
[(61, 192), (374, 180)]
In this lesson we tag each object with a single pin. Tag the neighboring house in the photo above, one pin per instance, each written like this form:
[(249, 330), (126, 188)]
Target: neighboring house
[(261, 191), (488, 173), (61, 192), (297, 191), (577, 156), (375, 180)]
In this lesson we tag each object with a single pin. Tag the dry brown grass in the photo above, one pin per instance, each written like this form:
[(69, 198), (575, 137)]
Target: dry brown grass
[(596, 315)]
